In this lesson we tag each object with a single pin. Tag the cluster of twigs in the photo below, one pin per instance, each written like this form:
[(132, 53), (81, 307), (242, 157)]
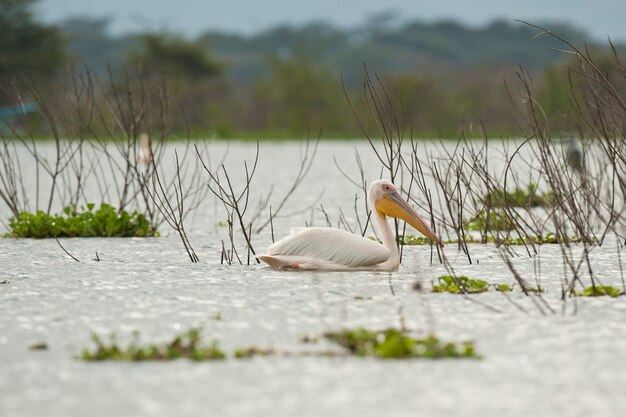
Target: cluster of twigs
[(240, 220), (107, 135), (114, 137), (110, 136), (576, 184)]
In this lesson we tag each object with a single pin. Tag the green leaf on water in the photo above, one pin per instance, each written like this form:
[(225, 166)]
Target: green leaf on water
[(600, 291), (503, 287), (460, 284)]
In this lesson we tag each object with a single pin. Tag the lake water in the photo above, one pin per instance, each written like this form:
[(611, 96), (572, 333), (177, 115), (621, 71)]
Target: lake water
[(570, 363)]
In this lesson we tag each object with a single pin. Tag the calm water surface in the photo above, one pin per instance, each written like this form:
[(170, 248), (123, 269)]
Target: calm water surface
[(571, 363)]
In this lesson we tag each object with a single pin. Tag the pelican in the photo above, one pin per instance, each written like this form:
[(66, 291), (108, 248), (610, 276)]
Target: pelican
[(329, 249)]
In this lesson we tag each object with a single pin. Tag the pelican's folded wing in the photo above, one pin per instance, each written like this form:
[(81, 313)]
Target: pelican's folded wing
[(331, 245)]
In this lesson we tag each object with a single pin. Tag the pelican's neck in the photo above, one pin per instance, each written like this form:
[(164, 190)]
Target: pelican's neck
[(387, 236), (389, 241)]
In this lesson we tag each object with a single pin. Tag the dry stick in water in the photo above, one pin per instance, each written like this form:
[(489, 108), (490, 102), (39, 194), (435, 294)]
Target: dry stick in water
[(272, 224), (306, 162), (173, 214), (383, 113), (64, 250), (362, 185), (602, 110), (9, 178), (522, 283), (236, 204), (510, 300), (417, 175), (619, 259)]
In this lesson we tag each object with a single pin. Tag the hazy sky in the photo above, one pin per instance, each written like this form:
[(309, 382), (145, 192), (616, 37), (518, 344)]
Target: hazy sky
[(192, 17)]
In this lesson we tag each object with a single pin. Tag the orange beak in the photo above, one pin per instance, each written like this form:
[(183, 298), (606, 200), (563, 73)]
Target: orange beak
[(395, 206)]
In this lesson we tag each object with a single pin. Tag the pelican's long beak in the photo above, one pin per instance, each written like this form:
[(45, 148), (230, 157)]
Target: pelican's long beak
[(395, 206)]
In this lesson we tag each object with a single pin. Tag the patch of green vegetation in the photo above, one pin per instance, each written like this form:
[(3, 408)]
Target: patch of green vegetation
[(460, 284), (490, 220), (103, 222), (600, 291), (528, 197), (548, 238), (465, 285), (397, 344), (414, 240), (503, 287), (386, 344), (186, 345)]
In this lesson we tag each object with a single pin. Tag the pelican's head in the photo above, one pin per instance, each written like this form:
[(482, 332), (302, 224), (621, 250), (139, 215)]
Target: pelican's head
[(386, 200)]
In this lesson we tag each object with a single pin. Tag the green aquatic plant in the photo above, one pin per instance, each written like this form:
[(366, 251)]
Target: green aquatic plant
[(398, 344), (106, 221), (548, 238), (415, 240), (460, 284), (490, 220), (519, 197), (465, 285), (600, 291), (471, 239), (386, 344), (503, 287), (186, 345)]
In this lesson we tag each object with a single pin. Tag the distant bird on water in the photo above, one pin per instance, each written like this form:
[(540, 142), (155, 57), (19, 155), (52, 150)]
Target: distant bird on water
[(329, 249), (145, 155), (574, 154)]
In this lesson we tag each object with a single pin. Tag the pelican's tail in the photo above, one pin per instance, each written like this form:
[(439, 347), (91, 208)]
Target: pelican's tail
[(275, 261), (299, 262)]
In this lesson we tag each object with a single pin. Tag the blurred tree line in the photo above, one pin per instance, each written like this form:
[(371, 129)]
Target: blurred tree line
[(286, 81), (26, 47)]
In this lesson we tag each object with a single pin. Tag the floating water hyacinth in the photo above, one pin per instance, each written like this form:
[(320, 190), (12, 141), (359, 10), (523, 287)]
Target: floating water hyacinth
[(103, 222)]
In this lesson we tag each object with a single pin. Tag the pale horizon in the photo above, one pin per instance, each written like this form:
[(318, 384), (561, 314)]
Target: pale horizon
[(191, 18)]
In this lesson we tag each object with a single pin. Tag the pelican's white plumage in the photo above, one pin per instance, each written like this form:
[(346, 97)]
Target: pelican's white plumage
[(325, 248), (328, 248)]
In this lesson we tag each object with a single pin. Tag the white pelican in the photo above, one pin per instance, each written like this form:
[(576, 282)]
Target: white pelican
[(325, 248)]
